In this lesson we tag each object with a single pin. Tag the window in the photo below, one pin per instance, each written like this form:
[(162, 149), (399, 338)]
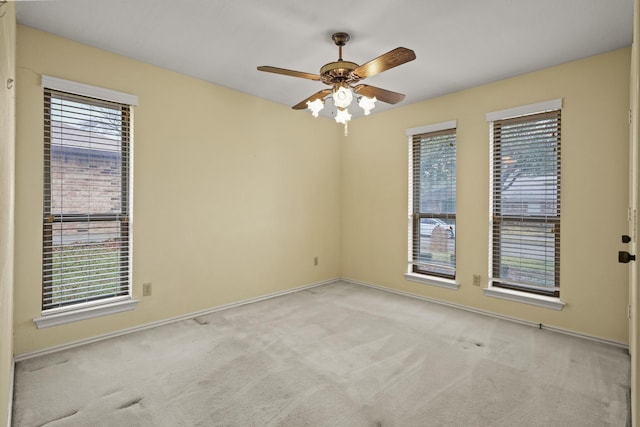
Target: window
[(87, 198), (525, 189), (432, 198)]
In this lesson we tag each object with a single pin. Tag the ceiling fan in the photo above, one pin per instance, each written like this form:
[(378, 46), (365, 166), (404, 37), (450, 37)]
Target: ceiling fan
[(343, 77)]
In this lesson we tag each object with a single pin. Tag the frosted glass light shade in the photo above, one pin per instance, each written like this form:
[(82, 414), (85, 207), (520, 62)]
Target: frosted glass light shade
[(343, 116), (367, 104), (342, 97), (315, 106)]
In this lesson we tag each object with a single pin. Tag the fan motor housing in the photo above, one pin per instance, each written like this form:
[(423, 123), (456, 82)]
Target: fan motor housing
[(338, 72)]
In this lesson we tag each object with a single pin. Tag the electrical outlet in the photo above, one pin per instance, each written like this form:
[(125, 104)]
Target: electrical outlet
[(476, 280), (146, 289), (315, 260)]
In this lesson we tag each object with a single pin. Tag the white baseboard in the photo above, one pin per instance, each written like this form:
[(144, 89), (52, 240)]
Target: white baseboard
[(30, 355), (49, 350), (491, 314), (10, 403)]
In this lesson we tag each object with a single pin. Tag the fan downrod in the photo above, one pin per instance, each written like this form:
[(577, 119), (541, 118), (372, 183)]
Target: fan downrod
[(340, 39), (340, 71)]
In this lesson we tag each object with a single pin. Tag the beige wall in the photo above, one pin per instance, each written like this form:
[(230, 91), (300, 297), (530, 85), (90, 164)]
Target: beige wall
[(594, 192), (7, 158), (233, 195)]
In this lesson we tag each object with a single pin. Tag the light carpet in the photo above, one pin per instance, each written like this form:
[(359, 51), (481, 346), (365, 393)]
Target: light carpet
[(333, 355)]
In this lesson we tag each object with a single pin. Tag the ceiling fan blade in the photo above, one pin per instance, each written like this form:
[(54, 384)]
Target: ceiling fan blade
[(286, 72), (318, 95), (393, 58), (381, 94)]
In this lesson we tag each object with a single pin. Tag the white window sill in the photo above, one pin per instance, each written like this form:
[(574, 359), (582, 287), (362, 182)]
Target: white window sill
[(432, 280), (524, 297), (60, 318)]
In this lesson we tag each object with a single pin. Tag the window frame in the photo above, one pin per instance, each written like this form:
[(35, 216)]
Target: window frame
[(121, 299), (414, 271), (499, 286)]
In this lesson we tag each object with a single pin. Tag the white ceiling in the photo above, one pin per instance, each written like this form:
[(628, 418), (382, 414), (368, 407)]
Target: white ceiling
[(458, 43)]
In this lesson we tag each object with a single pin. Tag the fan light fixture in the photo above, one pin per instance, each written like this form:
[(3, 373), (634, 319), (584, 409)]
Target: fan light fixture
[(344, 77), (342, 98)]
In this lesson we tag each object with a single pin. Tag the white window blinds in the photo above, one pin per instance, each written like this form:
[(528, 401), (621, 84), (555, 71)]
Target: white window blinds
[(526, 203), (86, 222), (433, 202)]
